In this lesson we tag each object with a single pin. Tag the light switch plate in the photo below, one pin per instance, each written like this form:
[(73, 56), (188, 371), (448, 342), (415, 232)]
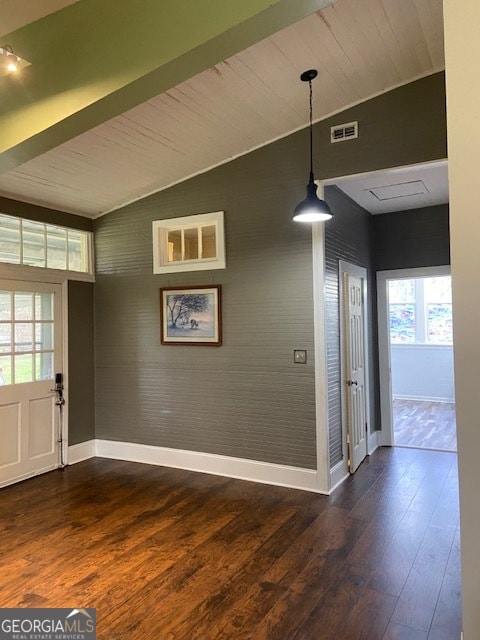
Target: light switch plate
[(300, 356)]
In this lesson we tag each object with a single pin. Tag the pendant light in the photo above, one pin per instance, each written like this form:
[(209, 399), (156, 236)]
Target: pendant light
[(312, 209)]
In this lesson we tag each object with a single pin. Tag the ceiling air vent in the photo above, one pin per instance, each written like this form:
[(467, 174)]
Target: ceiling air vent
[(341, 132)]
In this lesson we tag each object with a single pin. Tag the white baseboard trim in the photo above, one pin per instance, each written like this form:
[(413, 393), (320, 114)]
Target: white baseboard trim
[(242, 469), (338, 474), (423, 399), (81, 451), (383, 439), (372, 442)]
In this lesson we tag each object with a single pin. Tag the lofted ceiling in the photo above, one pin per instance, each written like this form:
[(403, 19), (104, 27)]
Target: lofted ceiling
[(240, 103)]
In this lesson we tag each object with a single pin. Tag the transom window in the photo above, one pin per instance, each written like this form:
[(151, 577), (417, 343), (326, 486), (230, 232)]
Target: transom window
[(192, 243), (35, 244), (26, 337), (421, 310)]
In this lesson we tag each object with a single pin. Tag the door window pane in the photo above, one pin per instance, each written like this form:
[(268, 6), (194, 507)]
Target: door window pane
[(44, 336), (27, 336), (43, 306), (23, 368), (5, 337), (23, 336), (5, 370), (44, 366)]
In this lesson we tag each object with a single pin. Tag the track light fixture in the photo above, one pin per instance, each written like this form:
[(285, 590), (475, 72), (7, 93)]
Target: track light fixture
[(9, 61), (312, 209)]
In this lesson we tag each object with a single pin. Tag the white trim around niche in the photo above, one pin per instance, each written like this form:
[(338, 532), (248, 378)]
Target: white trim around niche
[(160, 237)]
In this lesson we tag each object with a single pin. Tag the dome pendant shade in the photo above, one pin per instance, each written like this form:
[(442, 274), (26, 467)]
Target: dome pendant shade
[(312, 209)]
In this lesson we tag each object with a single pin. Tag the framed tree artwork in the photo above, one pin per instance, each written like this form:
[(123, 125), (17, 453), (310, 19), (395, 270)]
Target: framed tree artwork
[(191, 315)]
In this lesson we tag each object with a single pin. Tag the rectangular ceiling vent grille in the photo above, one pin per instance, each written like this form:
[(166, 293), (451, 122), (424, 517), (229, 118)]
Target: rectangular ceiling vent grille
[(341, 132)]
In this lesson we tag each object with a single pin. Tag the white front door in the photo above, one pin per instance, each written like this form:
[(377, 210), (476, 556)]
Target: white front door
[(355, 370), (30, 356)]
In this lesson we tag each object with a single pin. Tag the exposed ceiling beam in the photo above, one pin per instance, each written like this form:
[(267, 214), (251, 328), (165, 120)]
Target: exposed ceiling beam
[(97, 58)]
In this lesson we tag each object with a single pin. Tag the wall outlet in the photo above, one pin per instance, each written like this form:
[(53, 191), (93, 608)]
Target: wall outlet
[(300, 356)]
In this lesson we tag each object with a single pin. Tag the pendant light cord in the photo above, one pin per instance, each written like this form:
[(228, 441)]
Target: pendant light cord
[(311, 131)]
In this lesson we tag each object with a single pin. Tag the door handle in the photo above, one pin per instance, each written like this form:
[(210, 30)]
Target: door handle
[(350, 383)]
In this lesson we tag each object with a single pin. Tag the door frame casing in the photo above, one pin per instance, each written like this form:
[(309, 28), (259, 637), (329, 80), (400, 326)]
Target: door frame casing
[(23, 273), (324, 476), (345, 267), (385, 435)]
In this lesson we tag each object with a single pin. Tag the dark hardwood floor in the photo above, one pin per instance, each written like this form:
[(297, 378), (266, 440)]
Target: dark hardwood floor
[(165, 554)]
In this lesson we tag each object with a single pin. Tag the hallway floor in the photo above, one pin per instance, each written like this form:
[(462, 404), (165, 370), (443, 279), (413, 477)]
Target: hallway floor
[(426, 425)]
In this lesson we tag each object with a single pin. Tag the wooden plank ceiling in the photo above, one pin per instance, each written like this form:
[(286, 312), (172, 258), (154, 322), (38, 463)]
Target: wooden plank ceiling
[(360, 49)]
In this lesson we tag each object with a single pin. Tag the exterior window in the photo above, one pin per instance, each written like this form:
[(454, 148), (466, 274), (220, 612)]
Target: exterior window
[(192, 243), (421, 311), (48, 246)]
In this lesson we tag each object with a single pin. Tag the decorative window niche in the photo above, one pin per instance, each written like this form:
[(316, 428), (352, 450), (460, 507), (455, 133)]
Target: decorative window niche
[(193, 243)]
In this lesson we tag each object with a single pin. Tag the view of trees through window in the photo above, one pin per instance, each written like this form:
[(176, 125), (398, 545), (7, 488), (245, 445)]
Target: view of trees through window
[(26, 337), (421, 310)]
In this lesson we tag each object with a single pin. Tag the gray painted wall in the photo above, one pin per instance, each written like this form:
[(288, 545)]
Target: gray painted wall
[(422, 372), (81, 361), (246, 398), (348, 236), (409, 239)]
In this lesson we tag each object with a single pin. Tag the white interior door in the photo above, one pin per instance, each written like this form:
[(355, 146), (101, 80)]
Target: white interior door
[(355, 370), (30, 356)]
